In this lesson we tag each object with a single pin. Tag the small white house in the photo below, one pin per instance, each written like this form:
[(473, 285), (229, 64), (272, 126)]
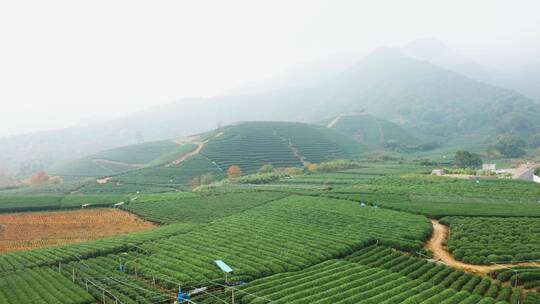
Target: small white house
[(489, 167), (437, 172)]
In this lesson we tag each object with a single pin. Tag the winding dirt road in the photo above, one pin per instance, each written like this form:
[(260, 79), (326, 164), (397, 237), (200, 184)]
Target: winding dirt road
[(198, 149), (440, 253), (200, 146), (113, 162)]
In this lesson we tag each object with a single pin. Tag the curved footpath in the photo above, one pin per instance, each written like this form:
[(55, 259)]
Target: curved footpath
[(440, 253)]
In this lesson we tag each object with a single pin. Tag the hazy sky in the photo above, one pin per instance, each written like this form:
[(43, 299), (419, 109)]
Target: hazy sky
[(66, 61)]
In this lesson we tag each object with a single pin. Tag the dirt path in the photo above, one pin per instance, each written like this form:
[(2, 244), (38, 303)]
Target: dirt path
[(440, 253), (297, 153), (334, 122), (523, 171), (103, 180), (112, 162), (200, 146)]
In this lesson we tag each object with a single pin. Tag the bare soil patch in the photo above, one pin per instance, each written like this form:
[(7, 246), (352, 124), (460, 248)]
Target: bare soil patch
[(29, 230), (103, 180)]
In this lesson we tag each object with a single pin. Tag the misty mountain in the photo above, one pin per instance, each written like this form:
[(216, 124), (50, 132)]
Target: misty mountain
[(428, 98), (420, 96), (523, 80), (436, 52)]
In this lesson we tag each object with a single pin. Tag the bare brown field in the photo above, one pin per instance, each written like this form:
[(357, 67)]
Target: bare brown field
[(29, 230)]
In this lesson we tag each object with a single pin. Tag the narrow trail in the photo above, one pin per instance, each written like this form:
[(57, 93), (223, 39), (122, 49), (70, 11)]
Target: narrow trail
[(297, 153), (333, 122), (103, 180), (113, 162), (440, 253), (200, 146)]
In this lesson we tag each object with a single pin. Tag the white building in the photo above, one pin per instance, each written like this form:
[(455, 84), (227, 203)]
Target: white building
[(489, 167), (438, 172)]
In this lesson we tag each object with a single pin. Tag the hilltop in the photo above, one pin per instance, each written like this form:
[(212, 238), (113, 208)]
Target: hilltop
[(248, 145)]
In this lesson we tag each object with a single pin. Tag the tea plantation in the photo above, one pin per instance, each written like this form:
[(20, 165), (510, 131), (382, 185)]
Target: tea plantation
[(488, 240), (350, 236)]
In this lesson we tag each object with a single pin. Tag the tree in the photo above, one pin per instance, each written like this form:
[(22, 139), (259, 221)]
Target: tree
[(234, 171), (268, 168), (466, 159), (510, 146)]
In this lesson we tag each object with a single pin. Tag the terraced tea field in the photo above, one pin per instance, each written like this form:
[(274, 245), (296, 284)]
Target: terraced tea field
[(353, 236), (377, 275), (40, 285), (487, 240)]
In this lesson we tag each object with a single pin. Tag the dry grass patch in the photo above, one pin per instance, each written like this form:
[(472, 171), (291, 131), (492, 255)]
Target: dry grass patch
[(20, 231)]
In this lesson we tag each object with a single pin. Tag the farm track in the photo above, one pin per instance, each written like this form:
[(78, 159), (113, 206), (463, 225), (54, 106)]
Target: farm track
[(200, 146), (113, 162), (441, 253), (524, 171), (297, 153)]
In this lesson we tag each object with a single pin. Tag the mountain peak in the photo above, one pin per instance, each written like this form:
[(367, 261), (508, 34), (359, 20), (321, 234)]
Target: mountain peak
[(427, 47)]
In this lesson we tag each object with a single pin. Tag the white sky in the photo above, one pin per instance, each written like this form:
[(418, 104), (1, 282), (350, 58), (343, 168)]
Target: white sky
[(66, 61)]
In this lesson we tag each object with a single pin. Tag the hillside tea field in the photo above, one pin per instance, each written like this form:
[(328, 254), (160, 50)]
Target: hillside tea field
[(376, 275), (200, 209), (123, 159), (431, 196), (526, 276), (352, 236), (283, 144), (51, 256), (282, 235), (486, 240), (40, 285)]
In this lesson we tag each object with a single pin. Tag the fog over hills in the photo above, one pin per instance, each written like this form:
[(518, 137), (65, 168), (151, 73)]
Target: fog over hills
[(423, 87)]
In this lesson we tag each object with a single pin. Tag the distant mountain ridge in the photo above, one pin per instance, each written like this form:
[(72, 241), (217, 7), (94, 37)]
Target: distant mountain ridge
[(416, 94)]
